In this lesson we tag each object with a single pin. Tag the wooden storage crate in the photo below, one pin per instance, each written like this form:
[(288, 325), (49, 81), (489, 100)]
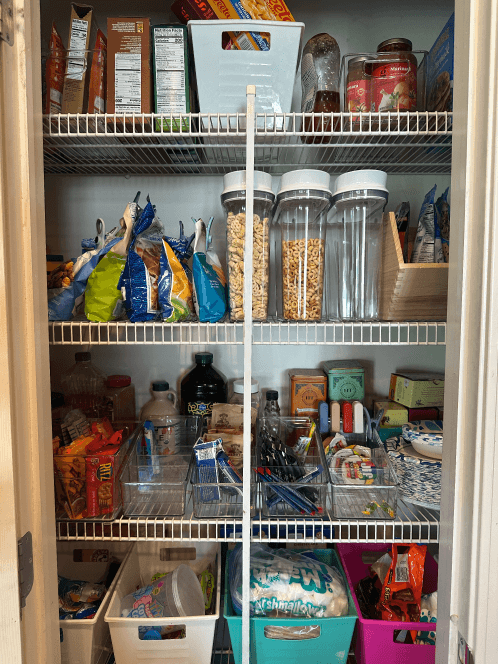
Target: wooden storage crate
[(410, 291)]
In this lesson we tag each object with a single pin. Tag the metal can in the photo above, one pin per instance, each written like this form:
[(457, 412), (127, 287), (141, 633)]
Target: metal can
[(395, 77)]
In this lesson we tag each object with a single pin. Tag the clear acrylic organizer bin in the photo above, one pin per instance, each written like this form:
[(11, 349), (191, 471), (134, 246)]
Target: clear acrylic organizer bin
[(290, 429), (366, 501), (218, 500), (156, 485)]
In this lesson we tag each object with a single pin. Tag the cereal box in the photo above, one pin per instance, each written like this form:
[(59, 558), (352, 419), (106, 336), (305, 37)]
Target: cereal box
[(440, 70)]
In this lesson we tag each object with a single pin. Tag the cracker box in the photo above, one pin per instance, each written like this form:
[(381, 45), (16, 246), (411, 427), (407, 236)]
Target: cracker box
[(417, 390), (395, 415), (440, 70), (346, 380), (128, 65), (170, 67), (307, 388), (81, 36)]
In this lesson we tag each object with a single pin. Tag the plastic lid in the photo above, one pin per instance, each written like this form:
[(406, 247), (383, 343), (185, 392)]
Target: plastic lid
[(204, 358), (305, 179), (238, 386), (236, 181), (355, 180), (271, 395), (187, 592), (160, 386), (118, 381), (82, 357)]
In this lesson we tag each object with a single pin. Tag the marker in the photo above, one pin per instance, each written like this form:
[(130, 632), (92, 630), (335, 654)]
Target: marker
[(347, 417), (335, 417), (358, 417)]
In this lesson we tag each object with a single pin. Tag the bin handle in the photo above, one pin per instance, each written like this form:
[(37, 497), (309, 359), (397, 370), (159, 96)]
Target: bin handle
[(294, 632)]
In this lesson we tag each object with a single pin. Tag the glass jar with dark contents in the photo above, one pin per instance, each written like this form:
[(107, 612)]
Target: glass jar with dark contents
[(359, 89), (395, 76)]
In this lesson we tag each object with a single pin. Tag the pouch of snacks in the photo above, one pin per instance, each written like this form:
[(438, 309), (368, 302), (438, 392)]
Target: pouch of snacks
[(62, 302), (73, 595), (443, 222), (423, 247), (139, 281), (175, 282), (402, 588), (210, 296), (102, 295)]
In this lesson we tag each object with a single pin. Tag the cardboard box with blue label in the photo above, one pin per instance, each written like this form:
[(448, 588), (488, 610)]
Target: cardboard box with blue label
[(346, 380), (417, 390), (440, 70)]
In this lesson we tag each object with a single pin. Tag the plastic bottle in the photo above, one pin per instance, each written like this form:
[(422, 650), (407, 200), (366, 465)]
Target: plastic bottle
[(120, 399), (84, 386), (202, 387), (162, 412), (271, 412), (320, 70)]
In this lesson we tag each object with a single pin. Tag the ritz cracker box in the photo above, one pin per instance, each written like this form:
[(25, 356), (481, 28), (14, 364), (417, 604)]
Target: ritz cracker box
[(82, 33), (417, 390), (307, 388), (128, 65)]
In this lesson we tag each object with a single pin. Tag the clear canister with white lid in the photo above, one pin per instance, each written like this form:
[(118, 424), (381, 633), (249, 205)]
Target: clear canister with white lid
[(303, 201), (354, 245), (233, 199), (238, 393)]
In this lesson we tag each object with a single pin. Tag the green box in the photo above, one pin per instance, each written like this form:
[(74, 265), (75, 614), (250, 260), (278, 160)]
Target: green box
[(417, 390), (331, 647), (346, 380), (395, 415)]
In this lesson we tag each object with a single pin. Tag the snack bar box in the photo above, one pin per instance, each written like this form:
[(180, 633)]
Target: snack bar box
[(346, 380), (417, 390), (395, 414)]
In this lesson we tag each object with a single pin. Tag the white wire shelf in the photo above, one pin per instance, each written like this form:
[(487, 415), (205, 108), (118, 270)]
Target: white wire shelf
[(76, 333), (418, 142), (412, 524)]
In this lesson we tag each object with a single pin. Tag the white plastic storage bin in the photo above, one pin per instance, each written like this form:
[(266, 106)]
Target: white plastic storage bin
[(222, 76), (83, 641), (145, 560)]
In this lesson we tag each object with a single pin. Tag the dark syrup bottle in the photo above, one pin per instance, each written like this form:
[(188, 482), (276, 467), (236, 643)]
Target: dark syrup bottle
[(202, 387)]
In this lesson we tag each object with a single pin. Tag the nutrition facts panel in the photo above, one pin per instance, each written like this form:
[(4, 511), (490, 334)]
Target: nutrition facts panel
[(169, 56), (128, 81), (77, 46)]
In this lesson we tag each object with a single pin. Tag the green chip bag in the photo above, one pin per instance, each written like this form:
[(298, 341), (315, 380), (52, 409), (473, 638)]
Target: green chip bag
[(102, 294)]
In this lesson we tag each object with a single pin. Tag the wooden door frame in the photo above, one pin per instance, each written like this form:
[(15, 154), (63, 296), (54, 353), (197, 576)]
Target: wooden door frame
[(26, 471)]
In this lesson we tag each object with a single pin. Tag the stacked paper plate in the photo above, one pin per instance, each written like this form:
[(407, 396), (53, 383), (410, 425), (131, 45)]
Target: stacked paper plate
[(426, 437)]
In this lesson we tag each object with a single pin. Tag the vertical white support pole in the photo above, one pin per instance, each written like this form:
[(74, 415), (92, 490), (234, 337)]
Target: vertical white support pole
[(246, 519)]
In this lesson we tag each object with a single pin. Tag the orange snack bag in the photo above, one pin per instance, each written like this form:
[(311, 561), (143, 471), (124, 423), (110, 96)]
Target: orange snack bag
[(402, 588), (104, 427), (98, 74), (55, 72)]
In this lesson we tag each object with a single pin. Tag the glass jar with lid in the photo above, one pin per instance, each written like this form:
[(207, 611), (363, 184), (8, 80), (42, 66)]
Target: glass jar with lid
[(359, 88), (395, 76), (233, 199), (238, 394), (303, 202)]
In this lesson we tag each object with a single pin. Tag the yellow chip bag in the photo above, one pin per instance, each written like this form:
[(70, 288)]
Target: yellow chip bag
[(174, 286)]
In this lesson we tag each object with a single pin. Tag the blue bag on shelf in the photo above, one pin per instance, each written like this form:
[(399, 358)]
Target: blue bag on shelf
[(210, 294)]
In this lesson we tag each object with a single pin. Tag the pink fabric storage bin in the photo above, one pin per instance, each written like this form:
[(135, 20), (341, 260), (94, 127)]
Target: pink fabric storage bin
[(374, 642)]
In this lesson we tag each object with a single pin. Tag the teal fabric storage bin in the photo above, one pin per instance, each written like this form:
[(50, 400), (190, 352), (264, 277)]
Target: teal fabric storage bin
[(331, 647)]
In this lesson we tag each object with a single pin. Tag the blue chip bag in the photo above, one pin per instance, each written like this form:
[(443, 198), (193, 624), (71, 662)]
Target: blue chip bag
[(139, 280), (210, 294)]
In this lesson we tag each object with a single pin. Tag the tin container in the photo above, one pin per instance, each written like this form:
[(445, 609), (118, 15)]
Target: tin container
[(307, 388), (346, 380)]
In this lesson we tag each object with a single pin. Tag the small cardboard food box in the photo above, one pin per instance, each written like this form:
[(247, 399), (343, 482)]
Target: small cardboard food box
[(395, 415), (170, 66), (346, 380), (81, 32), (440, 70), (417, 390), (128, 65)]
